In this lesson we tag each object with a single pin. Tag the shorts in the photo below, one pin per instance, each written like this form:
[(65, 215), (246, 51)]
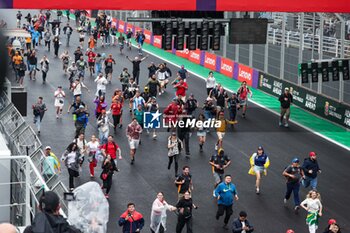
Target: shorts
[(221, 135), (163, 82), (81, 39), (134, 143), (32, 68), (259, 169), (243, 102), (91, 64), (217, 177)]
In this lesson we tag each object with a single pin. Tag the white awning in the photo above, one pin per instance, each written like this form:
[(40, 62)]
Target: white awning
[(16, 33)]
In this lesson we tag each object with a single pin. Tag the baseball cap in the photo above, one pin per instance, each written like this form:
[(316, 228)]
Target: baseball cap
[(48, 148), (49, 201), (81, 106), (295, 160), (286, 89), (260, 148), (173, 133), (331, 221), (311, 154)]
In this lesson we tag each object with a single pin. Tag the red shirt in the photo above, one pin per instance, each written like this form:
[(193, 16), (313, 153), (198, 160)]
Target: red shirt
[(91, 56), (171, 112), (243, 93), (181, 89), (116, 108), (134, 131), (111, 149)]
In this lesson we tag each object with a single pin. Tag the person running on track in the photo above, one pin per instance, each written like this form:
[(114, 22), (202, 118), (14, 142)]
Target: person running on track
[(259, 163), (222, 129), (219, 163), (242, 94), (129, 34), (133, 133), (65, 58), (91, 60), (92, 148), (174, 148), (225, 192), (109, 67), (312, 204), (293, 174)]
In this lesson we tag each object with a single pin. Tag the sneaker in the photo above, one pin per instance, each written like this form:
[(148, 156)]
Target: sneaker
[(286, 125), (243, 115), (154, 136), (120, 126), (216, 147), (280, 124), (225, 227), (285, 201), (38, 132), (92, 176), (214, 196), (257, 191), (160, 93), (296, 209)]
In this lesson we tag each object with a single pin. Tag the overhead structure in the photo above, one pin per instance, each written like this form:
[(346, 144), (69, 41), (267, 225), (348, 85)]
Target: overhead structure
[(339, 6)]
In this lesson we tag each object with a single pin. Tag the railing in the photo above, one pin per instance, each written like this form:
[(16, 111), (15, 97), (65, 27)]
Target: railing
[(28, 180)]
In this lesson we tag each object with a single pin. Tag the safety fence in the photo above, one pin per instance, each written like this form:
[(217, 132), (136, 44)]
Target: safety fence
[(26, 166)]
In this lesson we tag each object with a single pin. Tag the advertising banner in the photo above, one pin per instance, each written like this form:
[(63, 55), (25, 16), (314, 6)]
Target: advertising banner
[(157, 41), (210, 61), (318, 104), (182, 53), (129, 26), (226, 67), (114, 22), (148, 35), (121, 26), (187, 5), (195, 56), (244, 73)]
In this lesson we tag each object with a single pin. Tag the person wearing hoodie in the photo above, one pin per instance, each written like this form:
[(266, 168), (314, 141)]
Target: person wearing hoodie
[(311, 169), (225, 192), (131, 220), (49, 218)]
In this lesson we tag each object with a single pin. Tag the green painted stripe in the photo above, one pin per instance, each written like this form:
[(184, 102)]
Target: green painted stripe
[(301, 116)]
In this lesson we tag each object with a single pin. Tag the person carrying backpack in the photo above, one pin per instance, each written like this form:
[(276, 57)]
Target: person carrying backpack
[(191, 104), (174, 149)]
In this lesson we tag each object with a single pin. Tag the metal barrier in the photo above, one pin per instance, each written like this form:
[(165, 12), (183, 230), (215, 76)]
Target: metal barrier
[(28, 178)]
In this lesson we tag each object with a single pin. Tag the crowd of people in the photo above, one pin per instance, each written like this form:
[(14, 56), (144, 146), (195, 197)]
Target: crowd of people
[(103, 149)]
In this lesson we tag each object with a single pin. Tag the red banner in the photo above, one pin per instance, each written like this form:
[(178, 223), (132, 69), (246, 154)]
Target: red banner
[(210, 61), (114, 22), (245, 73), (148, 35), (137, 29), (121, 26), (157, 41), (226, 67), (189, 5), (182, 53), (129, 26), (195, 56)]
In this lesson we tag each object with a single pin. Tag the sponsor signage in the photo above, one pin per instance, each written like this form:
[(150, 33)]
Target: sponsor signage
[(226, 67), (121, 26), (157, 41), (318, 104), (244, 73), (195, 56), (148, 35), (182, 53), (210, 61), (129, 26)]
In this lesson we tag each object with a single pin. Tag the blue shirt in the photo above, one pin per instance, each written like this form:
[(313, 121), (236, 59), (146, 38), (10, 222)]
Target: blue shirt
[(226, 193), (260, 160)]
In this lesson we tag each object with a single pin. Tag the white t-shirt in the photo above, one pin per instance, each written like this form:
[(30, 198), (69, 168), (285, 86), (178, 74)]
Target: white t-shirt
[(81, 144), (71, 157), (77, 89), (243, 225), (314, 205), (93, 146), (101, 83), (211, 82), (59, 98)]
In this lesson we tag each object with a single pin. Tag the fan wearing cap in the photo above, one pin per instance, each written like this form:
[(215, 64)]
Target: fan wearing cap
[(259, 163), (332, 227), (49, 218), (219, 163), (311, 169), (222, 129), (285, 99), (50, 163), (191, 104), (162, 76), (293, 174), (124, 78)]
